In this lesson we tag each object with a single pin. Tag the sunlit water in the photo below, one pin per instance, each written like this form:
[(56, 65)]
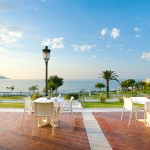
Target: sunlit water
[(68, 86)]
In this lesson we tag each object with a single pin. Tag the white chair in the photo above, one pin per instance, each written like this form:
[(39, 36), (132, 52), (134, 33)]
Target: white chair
[(57, 112), (68, 107), (44, 110), (27, 107), (128, 104), (147, 114)]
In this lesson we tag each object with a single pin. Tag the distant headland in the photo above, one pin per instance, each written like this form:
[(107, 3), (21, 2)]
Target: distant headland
[(3, 77)]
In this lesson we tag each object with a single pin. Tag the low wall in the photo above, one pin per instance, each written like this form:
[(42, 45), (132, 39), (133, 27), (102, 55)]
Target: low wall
[(14, 93)]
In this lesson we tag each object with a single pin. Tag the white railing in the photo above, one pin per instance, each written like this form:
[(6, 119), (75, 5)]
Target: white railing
[(14, 93)]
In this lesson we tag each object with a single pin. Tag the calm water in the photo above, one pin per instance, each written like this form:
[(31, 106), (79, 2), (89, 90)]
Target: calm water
[(68, 86)]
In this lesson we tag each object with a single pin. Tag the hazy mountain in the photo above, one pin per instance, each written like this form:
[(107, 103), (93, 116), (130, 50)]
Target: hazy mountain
[(3, 77)]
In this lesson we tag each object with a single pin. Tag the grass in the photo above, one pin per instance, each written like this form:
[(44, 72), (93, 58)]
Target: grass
[(11, 105), (103, 105), (87, 104), (106, 105), (11, 97)]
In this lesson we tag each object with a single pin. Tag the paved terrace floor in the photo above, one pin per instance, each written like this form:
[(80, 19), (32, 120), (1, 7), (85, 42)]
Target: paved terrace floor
[(95, 130)]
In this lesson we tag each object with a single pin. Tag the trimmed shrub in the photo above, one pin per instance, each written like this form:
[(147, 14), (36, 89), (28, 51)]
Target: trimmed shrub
[(68, 96), (35, 96), (120, 99), (102, 97)]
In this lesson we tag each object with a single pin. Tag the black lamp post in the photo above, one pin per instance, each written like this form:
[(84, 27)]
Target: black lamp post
[(46, 56)]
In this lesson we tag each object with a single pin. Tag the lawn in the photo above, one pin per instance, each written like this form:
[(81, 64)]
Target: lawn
[(87, 104), (11, 97), (11, 105), (106, 105), (102, 105)]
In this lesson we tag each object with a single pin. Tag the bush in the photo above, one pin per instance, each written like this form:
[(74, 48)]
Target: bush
[(120, 99), (68, 96), (102, 97), (35, 96)]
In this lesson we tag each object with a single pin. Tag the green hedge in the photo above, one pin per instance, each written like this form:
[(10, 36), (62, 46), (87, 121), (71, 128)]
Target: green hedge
[(68, 96)]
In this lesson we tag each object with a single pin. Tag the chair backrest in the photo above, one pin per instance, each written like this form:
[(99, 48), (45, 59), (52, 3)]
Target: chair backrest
[(27, 103), (59, 96), (147, 106), (44, 109), (128, 104), (72, 98)]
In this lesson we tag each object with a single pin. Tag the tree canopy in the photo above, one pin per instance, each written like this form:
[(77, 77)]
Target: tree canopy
[(132, 83), (58, 81), (33, 88), (54, 82), (99, 85), (108, 75)]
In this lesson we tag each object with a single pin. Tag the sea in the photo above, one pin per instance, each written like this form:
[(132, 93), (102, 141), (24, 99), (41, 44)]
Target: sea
[(69, 86)]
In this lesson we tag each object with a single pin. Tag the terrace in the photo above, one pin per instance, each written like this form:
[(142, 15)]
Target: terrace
[(95, 129)]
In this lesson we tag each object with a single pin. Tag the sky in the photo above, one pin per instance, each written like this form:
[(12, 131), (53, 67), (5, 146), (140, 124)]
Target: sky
[(86, 37)]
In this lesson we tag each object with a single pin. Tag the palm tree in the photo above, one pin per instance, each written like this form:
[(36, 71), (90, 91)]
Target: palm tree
[(108, 75), (137, 84), (11, 88), (143, 84), (131, 83)]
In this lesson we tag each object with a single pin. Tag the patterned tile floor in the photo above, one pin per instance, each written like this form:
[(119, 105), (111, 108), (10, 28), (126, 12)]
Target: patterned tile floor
[(119, 136), (14, 137)]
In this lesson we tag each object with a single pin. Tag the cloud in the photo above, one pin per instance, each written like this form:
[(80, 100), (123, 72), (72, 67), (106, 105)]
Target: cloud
[(137, 35), (82, 48), (115, 33), (55, 43), (146, 55), (136, 29), (104, 32), (9, 34)]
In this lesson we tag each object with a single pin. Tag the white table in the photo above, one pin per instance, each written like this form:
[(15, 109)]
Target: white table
[(58, 102), (59, 106), (140, 100)]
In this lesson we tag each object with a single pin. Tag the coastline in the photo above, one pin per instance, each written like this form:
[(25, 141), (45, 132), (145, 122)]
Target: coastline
[(22, 85)]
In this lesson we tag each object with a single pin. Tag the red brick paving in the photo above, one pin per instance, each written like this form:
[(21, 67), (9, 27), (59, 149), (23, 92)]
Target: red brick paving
[(14, 137), (120, 137)]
